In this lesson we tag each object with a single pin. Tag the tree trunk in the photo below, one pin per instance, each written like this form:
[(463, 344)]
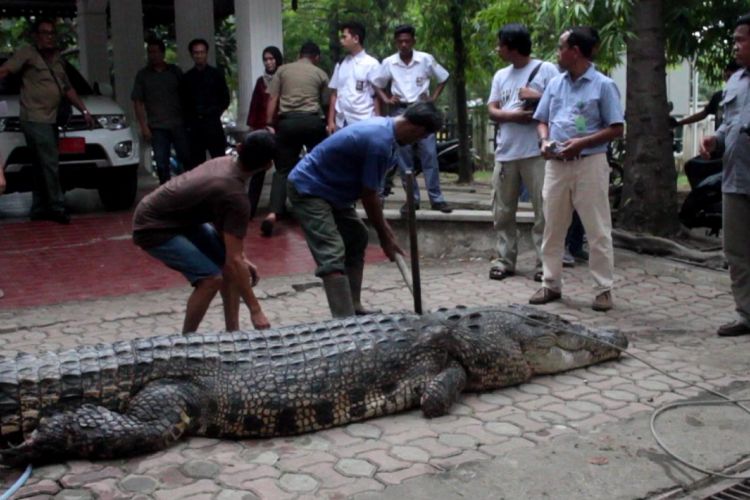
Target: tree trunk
[(465, 174), (649, 198)]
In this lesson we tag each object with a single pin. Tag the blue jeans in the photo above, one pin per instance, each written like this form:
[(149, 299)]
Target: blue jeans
[(427, 152), (162, 140), (197, 253)]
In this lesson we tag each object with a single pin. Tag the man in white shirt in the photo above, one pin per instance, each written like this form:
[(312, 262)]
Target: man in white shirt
[(515, 90), (409, 72), (352, 93)]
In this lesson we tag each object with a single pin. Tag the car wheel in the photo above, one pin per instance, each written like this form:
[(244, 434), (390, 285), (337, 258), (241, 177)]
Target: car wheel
[(118, 187)]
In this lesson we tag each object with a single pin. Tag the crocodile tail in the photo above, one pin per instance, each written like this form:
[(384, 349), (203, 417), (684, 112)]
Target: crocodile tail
[(108, 375)]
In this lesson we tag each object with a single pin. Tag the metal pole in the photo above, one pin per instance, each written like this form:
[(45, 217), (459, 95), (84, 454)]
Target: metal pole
[(413, 247)]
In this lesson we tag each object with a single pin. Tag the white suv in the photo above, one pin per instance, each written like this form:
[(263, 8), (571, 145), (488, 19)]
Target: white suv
[(105, 158)]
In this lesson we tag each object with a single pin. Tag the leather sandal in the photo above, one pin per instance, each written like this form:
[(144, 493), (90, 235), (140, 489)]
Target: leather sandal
[(499, 274)]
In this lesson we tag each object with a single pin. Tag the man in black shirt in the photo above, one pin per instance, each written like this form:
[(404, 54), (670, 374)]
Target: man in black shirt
[(205, 96)]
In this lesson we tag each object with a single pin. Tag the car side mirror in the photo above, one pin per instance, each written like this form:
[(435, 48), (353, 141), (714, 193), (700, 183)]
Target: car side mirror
[(104, 89)]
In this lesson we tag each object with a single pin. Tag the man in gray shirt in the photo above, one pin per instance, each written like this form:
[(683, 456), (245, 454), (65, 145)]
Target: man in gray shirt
[(517, 158), (734, 137), (156, 98)]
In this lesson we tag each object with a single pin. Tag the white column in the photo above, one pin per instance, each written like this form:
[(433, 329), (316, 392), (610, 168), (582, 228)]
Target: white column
[(92, 40), (257, 25), (128, 49), (193, 19)]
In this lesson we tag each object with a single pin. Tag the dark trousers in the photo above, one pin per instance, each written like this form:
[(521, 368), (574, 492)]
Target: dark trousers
[(294, 131), (697, 169), (574, 238), (47, 194), (205, 135), (162, 141)]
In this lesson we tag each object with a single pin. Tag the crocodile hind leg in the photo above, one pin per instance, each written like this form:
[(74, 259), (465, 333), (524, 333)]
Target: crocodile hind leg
[(158, 415), (442, 391)]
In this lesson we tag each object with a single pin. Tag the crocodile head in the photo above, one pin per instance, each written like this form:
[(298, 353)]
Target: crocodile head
[(501, 346)]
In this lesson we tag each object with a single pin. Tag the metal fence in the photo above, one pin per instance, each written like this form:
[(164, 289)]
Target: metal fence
[(481, 134)]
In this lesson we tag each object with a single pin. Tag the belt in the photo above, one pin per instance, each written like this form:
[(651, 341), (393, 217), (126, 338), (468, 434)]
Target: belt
[(292, 114), (574, 158)]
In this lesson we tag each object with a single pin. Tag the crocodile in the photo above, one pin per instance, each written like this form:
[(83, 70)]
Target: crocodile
[(139, 396)]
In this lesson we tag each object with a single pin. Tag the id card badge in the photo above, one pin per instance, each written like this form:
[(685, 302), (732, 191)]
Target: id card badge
[(420, 81), (580, 123), (360, 85)]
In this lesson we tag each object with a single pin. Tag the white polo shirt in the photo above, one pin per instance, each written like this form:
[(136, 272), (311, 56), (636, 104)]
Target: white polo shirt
[(353, 81), (410, 82)]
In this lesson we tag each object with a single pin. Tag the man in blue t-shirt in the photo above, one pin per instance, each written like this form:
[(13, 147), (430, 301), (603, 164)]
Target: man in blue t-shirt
[(324, 186)]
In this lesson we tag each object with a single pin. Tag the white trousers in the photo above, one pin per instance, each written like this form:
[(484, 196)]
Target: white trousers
[(582, 185)]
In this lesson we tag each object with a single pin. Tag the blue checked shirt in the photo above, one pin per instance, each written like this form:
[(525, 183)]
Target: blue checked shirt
[(580, 108)]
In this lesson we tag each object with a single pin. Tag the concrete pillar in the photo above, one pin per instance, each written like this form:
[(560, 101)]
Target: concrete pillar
[(92, 40), (193, 19), (257, 24), (128, 49)]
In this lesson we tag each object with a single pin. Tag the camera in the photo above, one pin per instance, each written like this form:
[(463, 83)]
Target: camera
[(554, 148)]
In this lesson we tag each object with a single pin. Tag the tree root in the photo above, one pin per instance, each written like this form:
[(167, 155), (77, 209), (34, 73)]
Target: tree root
[(663, 247)]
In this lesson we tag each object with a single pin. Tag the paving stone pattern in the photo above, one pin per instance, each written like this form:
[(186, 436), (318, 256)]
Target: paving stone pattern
[(670, 318)]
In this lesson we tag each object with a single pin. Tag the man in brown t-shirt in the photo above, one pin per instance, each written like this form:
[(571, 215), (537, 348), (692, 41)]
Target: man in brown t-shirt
[(196, 224), (45, 84), (296, 90)]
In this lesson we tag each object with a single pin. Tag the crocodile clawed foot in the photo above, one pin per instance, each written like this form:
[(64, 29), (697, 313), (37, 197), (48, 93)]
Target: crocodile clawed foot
[(17, 455)]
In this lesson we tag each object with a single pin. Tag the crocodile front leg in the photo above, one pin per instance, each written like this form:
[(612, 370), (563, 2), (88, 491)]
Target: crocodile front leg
[(159, 415), (442, 391)]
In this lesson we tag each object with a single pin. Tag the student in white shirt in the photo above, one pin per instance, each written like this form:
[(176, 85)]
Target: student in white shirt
[(409, 72), (352, 93)]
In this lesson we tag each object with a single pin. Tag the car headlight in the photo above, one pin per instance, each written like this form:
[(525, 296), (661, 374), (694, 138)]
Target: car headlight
[(112, 122)]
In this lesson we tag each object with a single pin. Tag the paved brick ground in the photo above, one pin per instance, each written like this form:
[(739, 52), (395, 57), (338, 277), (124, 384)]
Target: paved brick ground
[(669, 314), (46, 263)]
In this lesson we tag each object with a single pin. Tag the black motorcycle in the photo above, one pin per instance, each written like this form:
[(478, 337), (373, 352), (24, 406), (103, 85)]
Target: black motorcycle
[(702, 207)]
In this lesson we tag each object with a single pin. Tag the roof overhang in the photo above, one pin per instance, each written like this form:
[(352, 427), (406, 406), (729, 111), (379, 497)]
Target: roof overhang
[(155, 12)]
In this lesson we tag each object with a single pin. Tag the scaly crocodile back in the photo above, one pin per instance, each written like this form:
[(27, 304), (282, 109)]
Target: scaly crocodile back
[(110, 374)]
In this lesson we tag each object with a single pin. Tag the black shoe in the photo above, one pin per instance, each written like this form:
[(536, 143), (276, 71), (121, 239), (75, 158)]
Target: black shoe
[(39, 216), (580, 255), (405, 209), (734, 329), (57, 216), (442, 207), (266, 228)]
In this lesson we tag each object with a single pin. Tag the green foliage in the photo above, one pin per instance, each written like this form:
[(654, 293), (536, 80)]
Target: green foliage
[(319, 21), (609, 17), (702, 30)]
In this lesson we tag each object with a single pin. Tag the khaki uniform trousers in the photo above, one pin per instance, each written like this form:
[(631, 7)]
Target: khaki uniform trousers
[(582, 185)]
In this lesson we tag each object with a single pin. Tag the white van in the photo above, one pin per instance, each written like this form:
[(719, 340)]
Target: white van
[(104, 158)]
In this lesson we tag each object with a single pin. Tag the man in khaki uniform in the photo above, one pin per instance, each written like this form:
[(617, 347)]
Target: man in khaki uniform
[(44, 85), (297, 89)]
